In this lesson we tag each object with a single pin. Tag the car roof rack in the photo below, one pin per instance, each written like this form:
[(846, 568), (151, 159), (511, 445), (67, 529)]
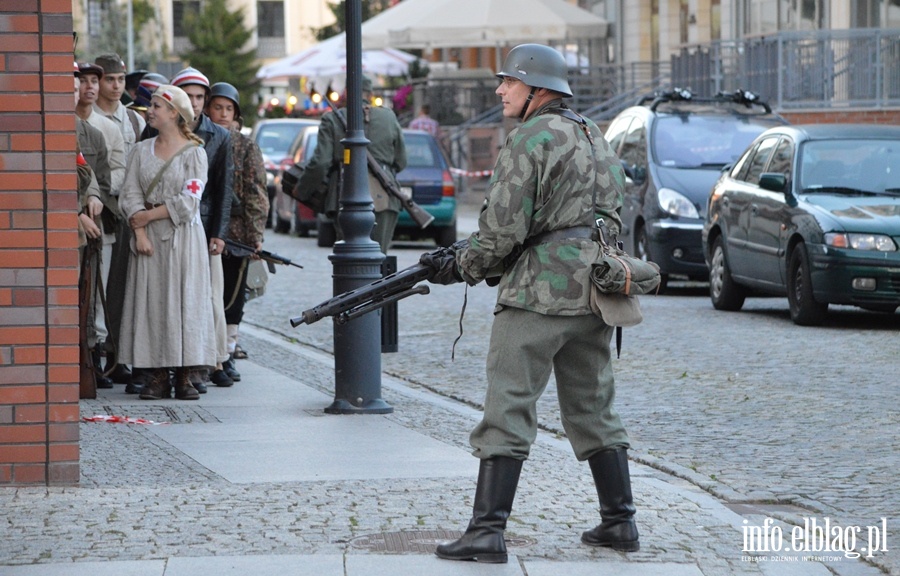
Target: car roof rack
[(739, 96)]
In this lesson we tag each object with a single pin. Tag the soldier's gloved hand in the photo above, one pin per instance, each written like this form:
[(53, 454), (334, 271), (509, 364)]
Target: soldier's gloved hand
[(443, 262)]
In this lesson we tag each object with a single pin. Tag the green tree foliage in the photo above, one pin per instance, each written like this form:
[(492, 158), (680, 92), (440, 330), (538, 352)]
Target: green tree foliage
[(368, 8), (218, 37), (113, 33)]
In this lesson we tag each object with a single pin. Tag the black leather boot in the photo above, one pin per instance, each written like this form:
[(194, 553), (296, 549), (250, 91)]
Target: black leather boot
[(118, 373), (483, 540), (102, 380), (617, 530)]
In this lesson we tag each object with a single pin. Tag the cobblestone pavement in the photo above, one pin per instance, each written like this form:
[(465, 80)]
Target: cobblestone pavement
[(801, 422), (771, 419), (142, 499)]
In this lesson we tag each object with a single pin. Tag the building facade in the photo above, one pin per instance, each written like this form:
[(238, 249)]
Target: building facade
[(652, 30), (279, 27)]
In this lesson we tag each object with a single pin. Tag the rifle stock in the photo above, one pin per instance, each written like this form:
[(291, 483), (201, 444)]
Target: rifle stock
[(87, 378), (416, 212)]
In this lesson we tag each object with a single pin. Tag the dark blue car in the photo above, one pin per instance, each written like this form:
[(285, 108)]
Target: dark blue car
[(427, 177), (673, 146)]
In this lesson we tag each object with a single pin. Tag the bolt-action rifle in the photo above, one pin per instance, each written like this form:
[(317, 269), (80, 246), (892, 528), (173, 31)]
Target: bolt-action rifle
[(393, 287), (416, 212), (242, 251)]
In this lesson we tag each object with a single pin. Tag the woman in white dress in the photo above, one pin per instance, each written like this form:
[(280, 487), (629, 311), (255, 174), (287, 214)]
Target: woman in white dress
[(167, 319)]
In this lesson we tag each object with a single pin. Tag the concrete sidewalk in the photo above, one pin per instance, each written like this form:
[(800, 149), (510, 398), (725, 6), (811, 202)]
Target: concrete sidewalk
[(257, 479)]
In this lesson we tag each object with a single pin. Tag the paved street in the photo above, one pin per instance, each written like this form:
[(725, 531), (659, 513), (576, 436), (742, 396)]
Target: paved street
[(796, 422), (729, 430)]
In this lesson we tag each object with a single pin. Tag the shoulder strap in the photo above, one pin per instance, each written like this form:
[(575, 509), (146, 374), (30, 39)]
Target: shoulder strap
[(163, 169), (132, 115)]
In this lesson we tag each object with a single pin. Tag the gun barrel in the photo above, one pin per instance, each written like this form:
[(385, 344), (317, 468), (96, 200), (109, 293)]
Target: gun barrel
[(379, 291)]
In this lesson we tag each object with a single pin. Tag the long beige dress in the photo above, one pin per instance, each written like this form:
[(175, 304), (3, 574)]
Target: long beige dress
[(167, 318)]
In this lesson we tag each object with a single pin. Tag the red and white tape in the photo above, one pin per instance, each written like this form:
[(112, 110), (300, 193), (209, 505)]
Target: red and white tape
[(475, 173), (121, 420)]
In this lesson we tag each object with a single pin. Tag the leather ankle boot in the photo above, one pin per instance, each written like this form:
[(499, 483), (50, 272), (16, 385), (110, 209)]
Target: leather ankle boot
[(617, 530), (157, 386), (184, 390), (118, 373), (102, 380), (483, 540)]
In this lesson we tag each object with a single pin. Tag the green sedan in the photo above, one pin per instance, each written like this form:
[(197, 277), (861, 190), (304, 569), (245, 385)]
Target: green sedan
[(812, 213)]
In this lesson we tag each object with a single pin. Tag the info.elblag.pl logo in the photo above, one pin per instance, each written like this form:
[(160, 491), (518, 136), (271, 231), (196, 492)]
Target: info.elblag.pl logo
[(818, 537)]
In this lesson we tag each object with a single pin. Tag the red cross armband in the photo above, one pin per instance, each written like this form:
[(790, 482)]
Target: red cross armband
[(193, 188)]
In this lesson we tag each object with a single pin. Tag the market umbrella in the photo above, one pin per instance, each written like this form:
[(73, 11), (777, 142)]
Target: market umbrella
[(329, 58), (464, 23)]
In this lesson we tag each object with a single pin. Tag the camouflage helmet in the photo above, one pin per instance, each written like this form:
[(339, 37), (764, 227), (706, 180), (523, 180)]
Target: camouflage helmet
[(537, 66), (226, 90)]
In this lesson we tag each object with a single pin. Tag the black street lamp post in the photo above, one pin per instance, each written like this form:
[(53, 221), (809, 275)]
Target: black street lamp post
[(357, 259)]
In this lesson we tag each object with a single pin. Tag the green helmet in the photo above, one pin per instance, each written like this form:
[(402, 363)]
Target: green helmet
[(226, 90), (537, 66)]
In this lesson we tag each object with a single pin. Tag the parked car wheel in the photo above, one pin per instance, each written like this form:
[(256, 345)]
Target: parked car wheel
[(724, 293), (326, 235), (805, 311), (445, 235), (642, 251)]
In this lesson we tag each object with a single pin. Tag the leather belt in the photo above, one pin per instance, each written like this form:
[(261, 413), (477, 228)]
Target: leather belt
[(562, 234), (149, 206)]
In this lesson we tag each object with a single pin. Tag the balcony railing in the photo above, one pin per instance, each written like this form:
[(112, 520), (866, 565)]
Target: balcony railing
[(857, 68)]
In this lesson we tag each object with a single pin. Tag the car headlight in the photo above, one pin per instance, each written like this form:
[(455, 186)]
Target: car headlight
[(876, 242), (676, 204)]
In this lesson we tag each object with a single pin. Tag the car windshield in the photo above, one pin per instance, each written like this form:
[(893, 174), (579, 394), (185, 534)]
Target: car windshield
[(695, 141), (419, 151), (274, 140), (850, 166)]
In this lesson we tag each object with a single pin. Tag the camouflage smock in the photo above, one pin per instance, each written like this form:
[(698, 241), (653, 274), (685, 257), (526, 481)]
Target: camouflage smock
[(248, 226), (544, 180)]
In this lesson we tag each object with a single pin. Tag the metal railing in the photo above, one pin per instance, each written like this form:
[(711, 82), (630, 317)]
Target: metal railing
[(791, 70), (601, 92), (826, 69)]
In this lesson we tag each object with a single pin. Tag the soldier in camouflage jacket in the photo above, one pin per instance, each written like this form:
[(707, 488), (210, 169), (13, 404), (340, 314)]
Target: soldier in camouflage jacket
[(249, 209), (554, 175)]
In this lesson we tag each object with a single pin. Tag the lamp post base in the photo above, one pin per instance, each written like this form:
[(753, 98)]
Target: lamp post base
[(375, 406)]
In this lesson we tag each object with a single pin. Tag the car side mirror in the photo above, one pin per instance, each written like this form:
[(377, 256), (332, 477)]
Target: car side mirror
[(636, 173), (774, 181)]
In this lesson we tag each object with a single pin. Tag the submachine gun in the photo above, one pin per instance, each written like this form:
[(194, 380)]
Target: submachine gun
[(393, 287), (270, 258)]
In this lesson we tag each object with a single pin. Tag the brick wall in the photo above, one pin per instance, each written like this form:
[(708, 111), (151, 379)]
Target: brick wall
[(38, 246), (861, 116)]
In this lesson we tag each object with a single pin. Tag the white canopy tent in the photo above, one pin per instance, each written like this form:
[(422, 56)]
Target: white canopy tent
[(474, 23), (329, 58)]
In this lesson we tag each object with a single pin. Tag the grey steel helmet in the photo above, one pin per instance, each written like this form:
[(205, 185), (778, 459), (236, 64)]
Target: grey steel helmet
[(226, 90), (537, 66)]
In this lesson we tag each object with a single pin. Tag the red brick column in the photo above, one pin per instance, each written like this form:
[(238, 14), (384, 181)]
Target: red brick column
[(38, 246)]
